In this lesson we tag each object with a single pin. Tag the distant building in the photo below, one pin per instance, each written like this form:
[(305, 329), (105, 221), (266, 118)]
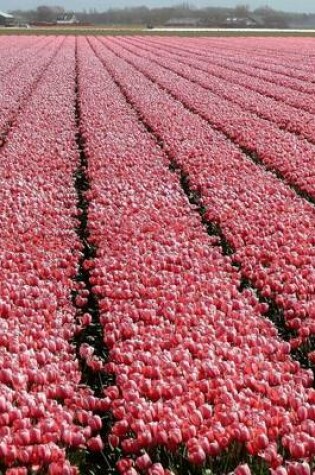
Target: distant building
[(184, 22), (250, 21), (6, 19), (67, 19)]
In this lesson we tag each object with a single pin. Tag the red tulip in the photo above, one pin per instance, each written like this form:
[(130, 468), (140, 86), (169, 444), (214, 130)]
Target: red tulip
[(156, 469), (197, 456), (95, 444), (243, 470), (143, 462), (123, 465)]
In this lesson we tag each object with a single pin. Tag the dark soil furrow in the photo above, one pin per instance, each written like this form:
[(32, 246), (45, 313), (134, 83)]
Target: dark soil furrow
[(101, 462)]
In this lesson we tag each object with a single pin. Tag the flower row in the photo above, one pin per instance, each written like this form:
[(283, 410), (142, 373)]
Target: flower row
[(251, 103), (19, 83), (289, 57), (279, 150), (270, 88), (15, 53), (44, 408), (243, 65)]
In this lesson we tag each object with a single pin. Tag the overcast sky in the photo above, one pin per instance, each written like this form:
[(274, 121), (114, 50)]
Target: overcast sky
[(287, 5)]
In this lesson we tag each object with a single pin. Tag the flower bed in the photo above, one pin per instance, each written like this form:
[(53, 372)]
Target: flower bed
[(267, 224), (17, 85), (44, 409), (250, 101), (279, 150), (198, 369)]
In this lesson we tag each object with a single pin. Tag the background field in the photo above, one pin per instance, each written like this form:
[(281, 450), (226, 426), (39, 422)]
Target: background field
[(191, 32)]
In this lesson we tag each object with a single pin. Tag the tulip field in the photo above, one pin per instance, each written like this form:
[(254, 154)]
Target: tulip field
[(157, 288)]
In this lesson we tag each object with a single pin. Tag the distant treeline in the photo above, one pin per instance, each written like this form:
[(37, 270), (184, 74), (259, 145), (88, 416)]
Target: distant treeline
[(142, 15)]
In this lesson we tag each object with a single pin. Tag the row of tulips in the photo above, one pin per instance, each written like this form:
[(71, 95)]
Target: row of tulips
[(44, 408), (279, 69), (276, 48), (239, 75), (276, 55), (17, 86), (13, 52), (268, 225), (198, 369), (246, 104), (295, 62), (290, 57), (277, 149), (250, 65)]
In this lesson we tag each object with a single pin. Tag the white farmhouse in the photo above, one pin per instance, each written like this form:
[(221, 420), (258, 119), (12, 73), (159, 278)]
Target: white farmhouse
[(6, 19), (67, 19)]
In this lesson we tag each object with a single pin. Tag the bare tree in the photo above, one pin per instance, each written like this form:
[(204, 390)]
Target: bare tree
[(45, 13), (241, 11)]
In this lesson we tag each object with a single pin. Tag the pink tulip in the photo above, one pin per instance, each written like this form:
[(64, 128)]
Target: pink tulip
[(197, 456), (95, 444), (143, 462), (131, 471), (123, 465), (156, 469), (243, 470)]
